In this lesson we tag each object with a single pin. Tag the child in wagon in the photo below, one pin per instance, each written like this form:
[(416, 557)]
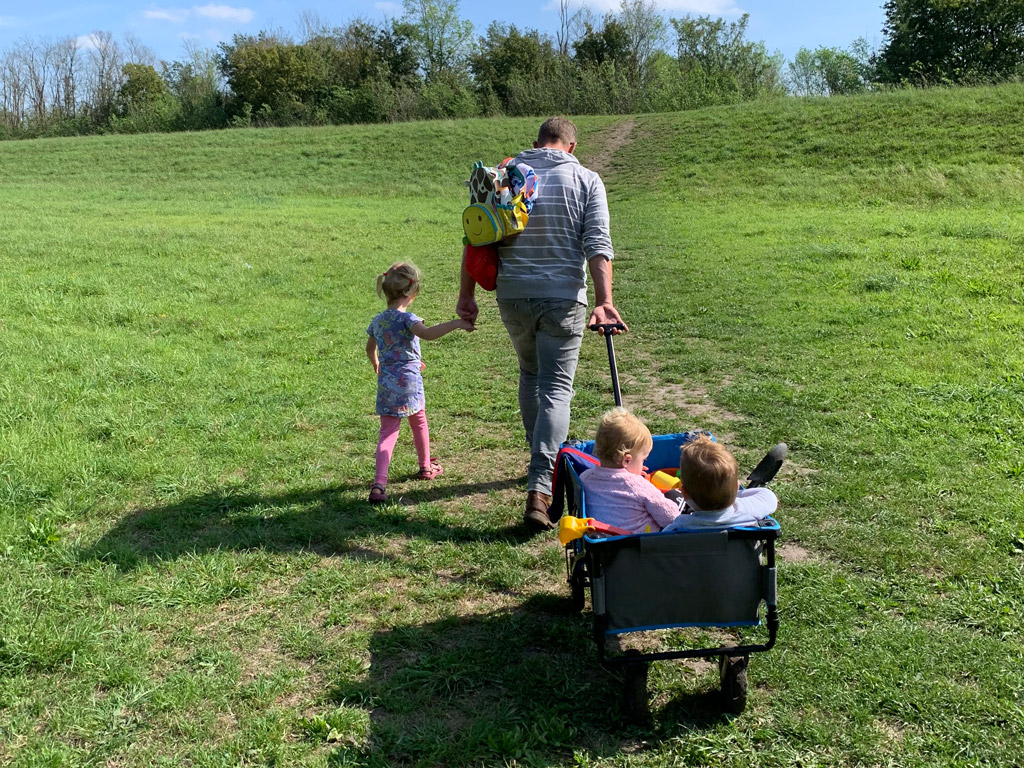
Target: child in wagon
[(617, 493), (711, 496)]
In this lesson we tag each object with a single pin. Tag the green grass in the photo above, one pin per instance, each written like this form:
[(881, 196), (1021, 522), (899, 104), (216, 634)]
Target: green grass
[(189, 574)]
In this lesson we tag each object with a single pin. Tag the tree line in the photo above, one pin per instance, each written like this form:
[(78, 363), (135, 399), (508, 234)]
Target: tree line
[(429, 63)]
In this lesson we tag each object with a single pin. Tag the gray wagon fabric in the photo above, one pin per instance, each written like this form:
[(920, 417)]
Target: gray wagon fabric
[(653, 581)]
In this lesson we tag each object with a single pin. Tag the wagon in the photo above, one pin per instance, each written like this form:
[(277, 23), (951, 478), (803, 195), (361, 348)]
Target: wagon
[(719, 578), (652, 581)]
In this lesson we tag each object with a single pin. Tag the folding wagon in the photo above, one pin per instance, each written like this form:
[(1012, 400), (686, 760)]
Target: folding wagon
[(652, 581)]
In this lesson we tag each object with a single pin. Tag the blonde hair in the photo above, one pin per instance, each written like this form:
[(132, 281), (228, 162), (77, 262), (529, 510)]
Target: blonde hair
[(400, 281), (709, 474), (619, 433)]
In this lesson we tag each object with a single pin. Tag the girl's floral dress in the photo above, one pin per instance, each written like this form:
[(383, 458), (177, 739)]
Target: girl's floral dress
[(399, 381)]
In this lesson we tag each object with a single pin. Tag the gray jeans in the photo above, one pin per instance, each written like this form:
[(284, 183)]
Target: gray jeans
[(546, 334)]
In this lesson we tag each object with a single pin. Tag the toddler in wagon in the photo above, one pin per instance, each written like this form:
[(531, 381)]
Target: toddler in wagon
[(617, 493), (711, 490)]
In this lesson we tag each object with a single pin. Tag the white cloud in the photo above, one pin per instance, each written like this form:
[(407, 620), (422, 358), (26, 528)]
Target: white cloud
[(86, 41), (701, 7), (210, 11), (8, 21), (173, 15), (388, 7), (224, 13), (698, 7)]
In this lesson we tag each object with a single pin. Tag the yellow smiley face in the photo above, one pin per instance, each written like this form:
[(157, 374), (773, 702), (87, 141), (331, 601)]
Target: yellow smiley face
[(480, 227)]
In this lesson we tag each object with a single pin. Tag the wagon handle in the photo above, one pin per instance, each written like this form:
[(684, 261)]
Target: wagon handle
[(605, 329)]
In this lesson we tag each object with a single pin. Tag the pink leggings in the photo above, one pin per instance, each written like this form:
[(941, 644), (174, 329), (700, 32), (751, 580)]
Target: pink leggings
[(389, 426)]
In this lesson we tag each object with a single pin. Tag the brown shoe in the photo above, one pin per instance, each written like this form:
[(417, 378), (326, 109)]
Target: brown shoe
[(536, 515)]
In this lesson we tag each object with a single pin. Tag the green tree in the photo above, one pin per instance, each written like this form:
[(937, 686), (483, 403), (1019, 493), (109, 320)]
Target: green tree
[(720, 65), (934, 41), (645, 30), (831, 71), (515, 68), (141, 87), (610, 44), (361, 52), (197, 86), (441, 38), (283, 83), (144, 102), (804, 74)]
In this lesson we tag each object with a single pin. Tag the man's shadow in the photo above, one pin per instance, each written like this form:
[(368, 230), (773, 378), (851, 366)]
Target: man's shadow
[(323, 520), (514, 684)]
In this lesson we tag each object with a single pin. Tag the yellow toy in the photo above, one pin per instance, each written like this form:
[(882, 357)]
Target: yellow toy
[(664, 481), (570, 528)]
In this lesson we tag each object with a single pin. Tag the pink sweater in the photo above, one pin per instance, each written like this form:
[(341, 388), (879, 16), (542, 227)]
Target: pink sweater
[(618, 497)]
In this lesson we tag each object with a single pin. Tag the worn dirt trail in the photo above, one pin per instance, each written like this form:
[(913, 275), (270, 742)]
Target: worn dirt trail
[(608, 142)]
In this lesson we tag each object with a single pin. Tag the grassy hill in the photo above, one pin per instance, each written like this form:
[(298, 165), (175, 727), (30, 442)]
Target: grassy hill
[(189, 573)]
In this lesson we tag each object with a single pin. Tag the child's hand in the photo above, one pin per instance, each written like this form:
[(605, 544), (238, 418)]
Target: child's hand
[(465, 325), (423, 366)]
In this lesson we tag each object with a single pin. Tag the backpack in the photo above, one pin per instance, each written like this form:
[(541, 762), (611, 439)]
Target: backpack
[(500, 201)]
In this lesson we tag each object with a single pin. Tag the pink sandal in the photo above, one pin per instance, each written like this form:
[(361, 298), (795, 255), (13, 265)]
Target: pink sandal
[(430, 471), (378, 494)]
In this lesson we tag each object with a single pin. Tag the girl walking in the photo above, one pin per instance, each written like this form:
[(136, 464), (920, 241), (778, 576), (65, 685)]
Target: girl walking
[(393, 348)]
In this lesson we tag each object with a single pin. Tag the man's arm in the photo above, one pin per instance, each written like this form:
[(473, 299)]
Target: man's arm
[(604, 310), (466, 307)]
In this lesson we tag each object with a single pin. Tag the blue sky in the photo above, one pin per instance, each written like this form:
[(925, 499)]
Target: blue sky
[(165, 25)]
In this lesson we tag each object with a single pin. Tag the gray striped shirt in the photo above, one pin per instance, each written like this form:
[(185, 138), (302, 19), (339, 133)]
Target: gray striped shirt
[(568, 227)]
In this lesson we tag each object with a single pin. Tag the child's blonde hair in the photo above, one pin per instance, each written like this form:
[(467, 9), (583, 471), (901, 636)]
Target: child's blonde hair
[(709, 474), (400, 281), (619, 433)]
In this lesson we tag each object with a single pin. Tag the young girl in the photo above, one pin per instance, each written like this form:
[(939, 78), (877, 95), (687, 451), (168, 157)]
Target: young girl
[(616, 492), (393, 347)]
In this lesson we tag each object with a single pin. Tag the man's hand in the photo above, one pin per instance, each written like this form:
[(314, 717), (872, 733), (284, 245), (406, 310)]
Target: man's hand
[(606, 314), (467, 309)]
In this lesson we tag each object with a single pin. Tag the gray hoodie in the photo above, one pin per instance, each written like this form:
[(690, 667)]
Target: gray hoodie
[(569, 226)]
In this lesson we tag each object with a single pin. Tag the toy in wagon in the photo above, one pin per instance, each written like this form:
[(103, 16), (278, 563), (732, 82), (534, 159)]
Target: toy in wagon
[(501, 199)]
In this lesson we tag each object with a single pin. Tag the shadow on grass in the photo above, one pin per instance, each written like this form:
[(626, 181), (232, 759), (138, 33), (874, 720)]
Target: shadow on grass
[(323, 521), (520, 684)]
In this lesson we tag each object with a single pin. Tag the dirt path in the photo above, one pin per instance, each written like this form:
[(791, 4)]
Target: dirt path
[(608, 142)]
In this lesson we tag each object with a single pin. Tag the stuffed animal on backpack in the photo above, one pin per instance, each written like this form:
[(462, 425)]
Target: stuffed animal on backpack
[(500, 201)]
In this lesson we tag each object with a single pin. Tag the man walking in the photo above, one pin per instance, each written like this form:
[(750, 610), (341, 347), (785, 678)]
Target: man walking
[(542, 297)]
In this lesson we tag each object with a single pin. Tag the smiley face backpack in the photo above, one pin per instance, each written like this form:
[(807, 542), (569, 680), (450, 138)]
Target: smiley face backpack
[(500, 201)]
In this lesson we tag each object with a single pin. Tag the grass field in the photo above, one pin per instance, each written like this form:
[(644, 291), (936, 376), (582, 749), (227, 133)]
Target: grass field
[(189, 574)]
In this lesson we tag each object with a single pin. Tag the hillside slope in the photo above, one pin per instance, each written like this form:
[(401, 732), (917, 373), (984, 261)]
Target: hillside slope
[(190, 573)]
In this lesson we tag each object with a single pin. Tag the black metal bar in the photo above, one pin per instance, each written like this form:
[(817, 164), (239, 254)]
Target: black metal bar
[(615, 370), (606, 329), (765, 534), (724, 650)]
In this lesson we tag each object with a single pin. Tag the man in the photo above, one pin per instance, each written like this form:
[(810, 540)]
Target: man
[(542, 297)]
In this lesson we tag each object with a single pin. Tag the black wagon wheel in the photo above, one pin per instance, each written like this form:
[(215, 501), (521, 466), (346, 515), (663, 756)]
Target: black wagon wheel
[(733, 673), (635, 707)]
